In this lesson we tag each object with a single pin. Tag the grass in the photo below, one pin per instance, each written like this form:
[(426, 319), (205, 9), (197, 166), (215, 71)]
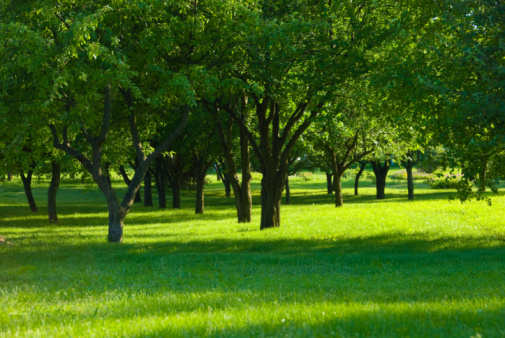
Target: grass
[(372, 268)]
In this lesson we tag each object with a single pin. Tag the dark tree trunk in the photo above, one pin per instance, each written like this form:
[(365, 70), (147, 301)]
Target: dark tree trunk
[(161, 183), (200, 193), (329, 183), (116, 217), (176, 193), (409, 165), (337, 186), (271, 193), (9, 176), (51, 193), (380, 177), (148, 194), (227, 185), (288, 192), (127, 180), (362, 166), (27, 184), (482, 177)]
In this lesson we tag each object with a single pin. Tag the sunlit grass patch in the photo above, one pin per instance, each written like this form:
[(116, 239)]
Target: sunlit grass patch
[(430, 267)]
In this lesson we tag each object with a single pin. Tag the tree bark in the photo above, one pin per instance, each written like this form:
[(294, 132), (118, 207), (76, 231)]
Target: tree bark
[(161, 183), (148, 193), (9, 176), (200, 192), (52, 191), (380, 177), (362, 165), (127, 180), (409, 165), (27, 184), (288, 192), (271, 193), (337, 187), (176, 193), (329, 184)]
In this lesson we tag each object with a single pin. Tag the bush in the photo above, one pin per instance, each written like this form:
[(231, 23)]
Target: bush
[(304, 176), (416, 174), (447, 181)]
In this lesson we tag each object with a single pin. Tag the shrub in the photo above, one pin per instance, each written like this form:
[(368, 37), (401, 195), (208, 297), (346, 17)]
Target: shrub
[(416, 174), (304, 176), (447, 181)]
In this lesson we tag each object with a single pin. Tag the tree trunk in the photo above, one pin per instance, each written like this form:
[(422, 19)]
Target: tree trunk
[(329, 184), (337, 186), (148, 194), (51, 193), (176, 193), (200, 192), (116, 217), (482, 177), (127, 181), (362, 166), (9, 176), (27, 184), (227, 185), (288, 192), (271, 193), (410, 179), (380, 177), (161, 183)]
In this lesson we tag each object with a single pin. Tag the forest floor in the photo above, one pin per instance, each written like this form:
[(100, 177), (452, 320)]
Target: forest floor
[(428, 267)]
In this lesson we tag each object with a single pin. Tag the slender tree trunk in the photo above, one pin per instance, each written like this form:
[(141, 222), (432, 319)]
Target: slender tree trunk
[(27, 184), (329, 184), (176, 193), (9, 176), (410, 179), (161, 183), (51, 192), (380, 177), (227, 185), (288, 192), (271, 193), (127, 181), (482, 177), (200, 192), (148, 194), (362, 166), (337, 186)]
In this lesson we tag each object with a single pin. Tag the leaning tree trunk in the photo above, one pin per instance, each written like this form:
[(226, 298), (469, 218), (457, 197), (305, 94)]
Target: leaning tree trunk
[(380, 177), (271, 193), (288, 192), (329, 184), (337, 186), (27, 184), (148, 193), (127, 181), (51, 192), (358, 175)]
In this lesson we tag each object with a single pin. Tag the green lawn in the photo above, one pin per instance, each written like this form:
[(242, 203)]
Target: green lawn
[(372, 268)]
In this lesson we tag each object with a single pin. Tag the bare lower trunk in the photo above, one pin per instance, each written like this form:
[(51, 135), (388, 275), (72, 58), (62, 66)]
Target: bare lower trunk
[(271, 193), (482, 178), (227, 185), (27, 184), (288, 192), (380, 177), (329, 184), (410, 180), (200, 193), (148, 194), (9, 177), (337, 186), (51, 193), (176, 194), (358, 175), (116, 217)]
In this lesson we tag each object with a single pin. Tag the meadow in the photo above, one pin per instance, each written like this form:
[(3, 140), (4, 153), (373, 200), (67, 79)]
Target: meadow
[(424, 268)]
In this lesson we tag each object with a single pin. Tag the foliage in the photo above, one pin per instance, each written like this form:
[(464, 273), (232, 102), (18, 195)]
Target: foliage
[(446, 181)]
